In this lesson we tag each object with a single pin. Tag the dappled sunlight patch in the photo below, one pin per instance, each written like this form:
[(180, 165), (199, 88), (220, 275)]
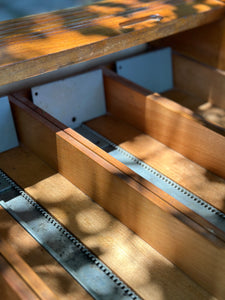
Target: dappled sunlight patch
[(201, 7), (93, 220)]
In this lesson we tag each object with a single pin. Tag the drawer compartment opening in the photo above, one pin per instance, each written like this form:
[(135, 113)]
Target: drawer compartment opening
[(177, 148), (149, 127), (199, 88)]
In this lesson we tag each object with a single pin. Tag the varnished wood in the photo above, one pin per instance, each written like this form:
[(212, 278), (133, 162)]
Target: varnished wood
[(167, 122), (43, 120), (196, 179), (12, 285), (44, 265), (142, 211), (43, 142), (34, 284), (144, 269), (205, 44), (35, 45), (202, 82)]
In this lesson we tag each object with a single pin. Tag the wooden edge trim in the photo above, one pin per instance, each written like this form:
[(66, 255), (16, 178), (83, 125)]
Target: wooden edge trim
[(35, 132), (12, 285), (34, 112), (133, 87), (182, 212), (168, 102), (25, 272), (38, 110), (207, 146)]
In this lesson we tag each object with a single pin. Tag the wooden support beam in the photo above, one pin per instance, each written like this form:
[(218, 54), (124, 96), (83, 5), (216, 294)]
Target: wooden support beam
[(143, 212)]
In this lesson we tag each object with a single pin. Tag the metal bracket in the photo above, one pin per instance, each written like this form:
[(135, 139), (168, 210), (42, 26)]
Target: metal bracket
[(73, 100)]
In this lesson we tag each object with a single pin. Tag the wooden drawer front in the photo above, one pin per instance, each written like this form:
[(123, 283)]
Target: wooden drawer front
[(151, 127)]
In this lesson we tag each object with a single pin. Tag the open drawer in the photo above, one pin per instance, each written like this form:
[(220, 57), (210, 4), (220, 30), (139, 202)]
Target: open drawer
[(153, 131)]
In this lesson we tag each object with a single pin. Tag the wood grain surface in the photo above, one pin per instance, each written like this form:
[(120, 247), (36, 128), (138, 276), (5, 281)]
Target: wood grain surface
[(205, 43), (199, 80), (198, 180), (150, 274), (28, 135), (35, 45), (139, 208), (166, 121), (12, 285), (21, 278)]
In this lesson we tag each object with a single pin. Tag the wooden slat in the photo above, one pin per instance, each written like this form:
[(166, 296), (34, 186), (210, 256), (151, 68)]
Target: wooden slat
[(42, 263), (39, 44), (44, 133), (167, 122), (26, 274), (12, 285), (144, 212)]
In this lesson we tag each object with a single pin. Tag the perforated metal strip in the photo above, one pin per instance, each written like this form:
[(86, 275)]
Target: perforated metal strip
[(83, 265), (190, 200)]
